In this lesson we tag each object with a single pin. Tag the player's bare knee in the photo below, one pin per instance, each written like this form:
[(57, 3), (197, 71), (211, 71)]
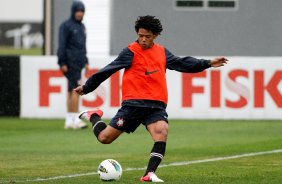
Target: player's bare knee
[(164, 133), (162, 130)]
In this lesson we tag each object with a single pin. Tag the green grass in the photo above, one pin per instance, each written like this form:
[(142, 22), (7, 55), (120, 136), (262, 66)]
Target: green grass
[(31, 149), (13, 51)]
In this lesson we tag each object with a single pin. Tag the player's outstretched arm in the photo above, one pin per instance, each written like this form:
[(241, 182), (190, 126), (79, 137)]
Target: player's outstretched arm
[(190, 64), (186, 64), (124, 60), (218, 62)]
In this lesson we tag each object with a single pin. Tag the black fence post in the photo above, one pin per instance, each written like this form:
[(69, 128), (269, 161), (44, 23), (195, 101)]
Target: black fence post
[(9, 85)]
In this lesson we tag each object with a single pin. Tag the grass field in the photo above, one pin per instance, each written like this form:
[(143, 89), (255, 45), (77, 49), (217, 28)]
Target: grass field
[(13, 51), (32, 149)]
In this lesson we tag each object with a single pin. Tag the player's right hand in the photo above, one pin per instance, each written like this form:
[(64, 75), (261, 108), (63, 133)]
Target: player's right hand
[(79, 90)]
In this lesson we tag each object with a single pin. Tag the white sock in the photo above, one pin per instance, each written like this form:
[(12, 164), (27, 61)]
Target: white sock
[(69, 119)]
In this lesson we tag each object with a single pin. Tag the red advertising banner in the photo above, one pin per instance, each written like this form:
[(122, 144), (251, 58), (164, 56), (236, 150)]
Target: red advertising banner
[(246, 88)]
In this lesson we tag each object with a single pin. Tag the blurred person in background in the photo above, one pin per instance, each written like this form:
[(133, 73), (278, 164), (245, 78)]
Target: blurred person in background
[(72, 59)]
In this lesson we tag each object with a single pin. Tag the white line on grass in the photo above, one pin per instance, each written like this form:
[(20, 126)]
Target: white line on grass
[(161, 166)]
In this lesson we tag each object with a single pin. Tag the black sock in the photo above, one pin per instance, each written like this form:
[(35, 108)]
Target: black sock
[(97, 124), (94, 119), (157, 155)]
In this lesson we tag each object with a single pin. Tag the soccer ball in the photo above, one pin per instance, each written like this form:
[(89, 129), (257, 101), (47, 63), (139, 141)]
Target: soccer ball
[(109, 170)]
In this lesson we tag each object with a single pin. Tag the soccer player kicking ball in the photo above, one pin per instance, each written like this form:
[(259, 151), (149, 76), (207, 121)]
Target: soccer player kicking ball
[(144, 90)]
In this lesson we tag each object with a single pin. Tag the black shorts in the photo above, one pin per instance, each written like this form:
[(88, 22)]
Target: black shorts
[(128, 118), (73, 77)]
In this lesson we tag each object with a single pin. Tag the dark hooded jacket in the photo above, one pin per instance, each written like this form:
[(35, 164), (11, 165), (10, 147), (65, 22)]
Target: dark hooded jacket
[(72, 40)]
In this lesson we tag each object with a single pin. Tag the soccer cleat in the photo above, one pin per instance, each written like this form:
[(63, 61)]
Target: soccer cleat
[(150, 177), (86, 115)]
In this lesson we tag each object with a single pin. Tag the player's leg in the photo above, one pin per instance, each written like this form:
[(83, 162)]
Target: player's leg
[(105, 134), (108, 135), (159, 131), (127, 120)]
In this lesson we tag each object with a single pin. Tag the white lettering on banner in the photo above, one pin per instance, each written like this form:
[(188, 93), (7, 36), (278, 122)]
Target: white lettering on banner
[(24, 39), (243, 89)]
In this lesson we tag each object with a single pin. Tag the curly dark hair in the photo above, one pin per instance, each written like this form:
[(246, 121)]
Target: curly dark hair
[(150, 23)]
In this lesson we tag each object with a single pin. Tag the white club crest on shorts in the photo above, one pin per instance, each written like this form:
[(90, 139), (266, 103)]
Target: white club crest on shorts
[(120, 122)]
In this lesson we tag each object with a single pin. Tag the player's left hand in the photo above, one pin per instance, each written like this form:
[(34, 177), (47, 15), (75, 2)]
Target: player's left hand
[(218, 62), (79, 90)]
